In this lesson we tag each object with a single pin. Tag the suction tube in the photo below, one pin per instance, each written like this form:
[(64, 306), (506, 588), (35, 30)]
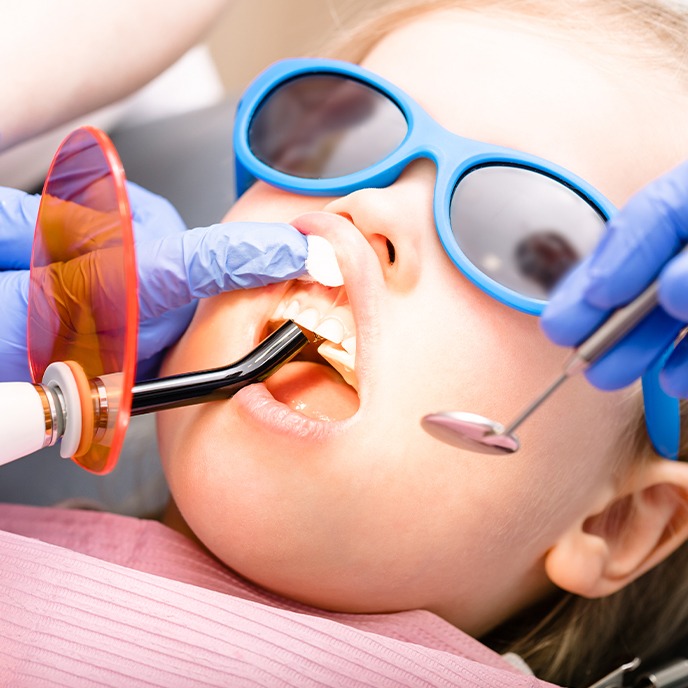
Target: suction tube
[(220, 383)]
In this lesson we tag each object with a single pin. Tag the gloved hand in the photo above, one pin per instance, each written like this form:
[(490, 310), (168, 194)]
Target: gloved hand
[(637, 247), (175, 267)]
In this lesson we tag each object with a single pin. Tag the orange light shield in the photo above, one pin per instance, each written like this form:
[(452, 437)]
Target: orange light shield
[(83, 306)]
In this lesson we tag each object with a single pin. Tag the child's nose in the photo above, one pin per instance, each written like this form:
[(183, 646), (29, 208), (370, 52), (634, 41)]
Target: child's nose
[(397, 221)]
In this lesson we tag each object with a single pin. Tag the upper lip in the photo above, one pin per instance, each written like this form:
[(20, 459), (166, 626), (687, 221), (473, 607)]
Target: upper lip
[(363, 279)]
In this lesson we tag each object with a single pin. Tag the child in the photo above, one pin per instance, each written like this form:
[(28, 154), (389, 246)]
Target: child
[(331, 493), (320, 486)]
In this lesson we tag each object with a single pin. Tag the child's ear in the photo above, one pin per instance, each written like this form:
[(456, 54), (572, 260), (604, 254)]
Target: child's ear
[(631, 533)]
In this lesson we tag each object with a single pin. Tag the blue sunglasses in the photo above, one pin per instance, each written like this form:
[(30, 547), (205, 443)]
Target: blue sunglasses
[(512, 223)]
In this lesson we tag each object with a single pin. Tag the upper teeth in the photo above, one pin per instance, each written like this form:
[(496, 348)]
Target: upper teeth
[(326, 312)]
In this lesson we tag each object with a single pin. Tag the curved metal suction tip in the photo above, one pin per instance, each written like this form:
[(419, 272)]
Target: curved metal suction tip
[(470, 431)]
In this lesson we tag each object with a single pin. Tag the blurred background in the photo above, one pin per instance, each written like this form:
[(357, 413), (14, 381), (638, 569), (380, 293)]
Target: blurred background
[(253, 33), (243, 40)]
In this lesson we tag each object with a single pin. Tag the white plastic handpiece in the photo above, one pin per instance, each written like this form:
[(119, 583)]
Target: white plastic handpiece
[(22, 420)]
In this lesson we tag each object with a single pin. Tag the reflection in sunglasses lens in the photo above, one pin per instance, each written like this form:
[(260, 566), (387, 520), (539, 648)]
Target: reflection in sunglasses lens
[(325, 126), (522, 228), (545, 257)]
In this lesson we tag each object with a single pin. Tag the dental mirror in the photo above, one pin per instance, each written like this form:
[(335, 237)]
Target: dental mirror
[(479, 434), (470, 431)]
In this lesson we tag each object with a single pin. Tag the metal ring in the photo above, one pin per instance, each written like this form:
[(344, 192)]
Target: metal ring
[(100, 408), (51, 414)]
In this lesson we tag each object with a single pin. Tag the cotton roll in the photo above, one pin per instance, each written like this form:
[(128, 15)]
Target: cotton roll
[(321, 263)]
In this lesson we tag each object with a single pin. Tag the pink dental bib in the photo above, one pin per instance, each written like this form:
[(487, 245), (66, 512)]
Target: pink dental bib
[(96, 599)]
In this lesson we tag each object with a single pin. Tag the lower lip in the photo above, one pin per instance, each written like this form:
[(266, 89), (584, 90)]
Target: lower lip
[(256, 406)]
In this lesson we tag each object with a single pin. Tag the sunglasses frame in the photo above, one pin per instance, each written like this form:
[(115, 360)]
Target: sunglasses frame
[(454, 157)]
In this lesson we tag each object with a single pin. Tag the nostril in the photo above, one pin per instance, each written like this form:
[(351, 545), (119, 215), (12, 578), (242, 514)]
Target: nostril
[(377, 241), (391, 252), (385, 249)]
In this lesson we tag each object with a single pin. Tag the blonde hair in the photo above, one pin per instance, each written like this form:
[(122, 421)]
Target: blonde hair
[(571, 640), (656, 29)]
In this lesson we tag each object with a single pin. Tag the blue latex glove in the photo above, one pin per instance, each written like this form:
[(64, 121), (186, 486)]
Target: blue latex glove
[(175, 266), (637, 247)]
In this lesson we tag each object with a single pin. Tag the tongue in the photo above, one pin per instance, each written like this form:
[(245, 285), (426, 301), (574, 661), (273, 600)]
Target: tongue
[(313, 389)]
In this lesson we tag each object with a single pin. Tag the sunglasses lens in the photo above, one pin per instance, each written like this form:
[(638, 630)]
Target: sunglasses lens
[(522, 228), (322, 126)]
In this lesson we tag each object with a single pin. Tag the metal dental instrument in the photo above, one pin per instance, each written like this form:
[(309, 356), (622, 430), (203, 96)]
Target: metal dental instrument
[(220, 383), (477, 433)]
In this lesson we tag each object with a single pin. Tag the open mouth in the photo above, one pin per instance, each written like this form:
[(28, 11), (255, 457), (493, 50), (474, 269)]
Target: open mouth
[(321, 381)]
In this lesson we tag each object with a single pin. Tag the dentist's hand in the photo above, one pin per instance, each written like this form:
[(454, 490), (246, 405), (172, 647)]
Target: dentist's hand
[(175, 267), (640, 244)]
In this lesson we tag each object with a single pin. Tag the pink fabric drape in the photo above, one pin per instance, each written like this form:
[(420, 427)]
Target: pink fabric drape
[(95, 599)]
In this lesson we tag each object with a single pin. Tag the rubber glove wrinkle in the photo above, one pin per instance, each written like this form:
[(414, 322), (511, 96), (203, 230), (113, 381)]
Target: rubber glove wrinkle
[(243, 255), (207, 261)]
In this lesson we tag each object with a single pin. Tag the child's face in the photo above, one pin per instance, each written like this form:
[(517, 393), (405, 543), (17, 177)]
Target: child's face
[(340, 499)]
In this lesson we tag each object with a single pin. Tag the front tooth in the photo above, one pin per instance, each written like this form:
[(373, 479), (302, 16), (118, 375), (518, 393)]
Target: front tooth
[(349, 345), (331, 329), (308, 318), (279, 312), (341, 361), (291, 310)]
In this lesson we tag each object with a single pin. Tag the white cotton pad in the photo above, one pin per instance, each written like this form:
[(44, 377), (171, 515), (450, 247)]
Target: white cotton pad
[(321, 263)]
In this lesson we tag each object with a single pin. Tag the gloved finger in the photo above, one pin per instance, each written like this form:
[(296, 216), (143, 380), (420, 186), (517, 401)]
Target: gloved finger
[(568, 318), (154, 216), (674, 375), (149, 368), (673, 287), (647, 231), (629, 359), (14, 295), (181, 268), (18, 212), (86, 293), (157, 334)]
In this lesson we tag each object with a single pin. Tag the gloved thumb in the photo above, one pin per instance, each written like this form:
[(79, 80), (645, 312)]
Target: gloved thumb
[(177, 269)]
